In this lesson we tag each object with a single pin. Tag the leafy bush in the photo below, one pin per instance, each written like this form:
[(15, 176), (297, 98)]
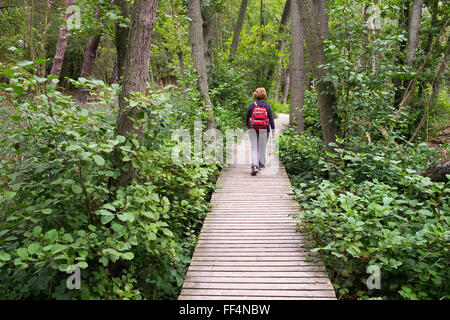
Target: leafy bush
[(58, 208), (364, 209), (228, 94)]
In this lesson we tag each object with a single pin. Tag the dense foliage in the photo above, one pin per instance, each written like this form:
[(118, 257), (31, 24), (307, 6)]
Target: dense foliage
[(362, 205), (370, 207), (58, 208)]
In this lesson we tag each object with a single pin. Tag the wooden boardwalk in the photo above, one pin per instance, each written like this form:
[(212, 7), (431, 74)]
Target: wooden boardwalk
[(249, 247)]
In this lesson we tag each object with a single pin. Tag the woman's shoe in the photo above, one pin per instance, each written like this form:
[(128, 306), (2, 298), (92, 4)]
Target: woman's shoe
[(254, 171)]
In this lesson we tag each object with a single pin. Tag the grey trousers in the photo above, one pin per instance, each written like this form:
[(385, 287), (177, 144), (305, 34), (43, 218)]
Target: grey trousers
[(258, 140)]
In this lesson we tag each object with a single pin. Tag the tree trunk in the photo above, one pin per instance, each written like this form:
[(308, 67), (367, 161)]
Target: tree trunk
[(237, 30), (413, 32), (209, 30), (403, 22), (433, 7), (320, 7), (279, 72), (198, 56), (62, 43), (135, 77), (298, 69), (413, 39), (325, 89), (261, 11), (121, 38), (281, 46), (286, 83), (88, 66), (178, 27), (114, 74)]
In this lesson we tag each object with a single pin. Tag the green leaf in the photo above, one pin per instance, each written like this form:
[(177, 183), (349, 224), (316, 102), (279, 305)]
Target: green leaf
[(167, 232), (23, 253), (18, 90), (4, 256), (37, 231), (9, 195), (41, 61), (128, 255), (33, 247), (46, 211), (67, 237), (126, 216), (76, 189), (24, 63), (120, 139), (99, 160), (104, 261), (106, 219), (103, 212)]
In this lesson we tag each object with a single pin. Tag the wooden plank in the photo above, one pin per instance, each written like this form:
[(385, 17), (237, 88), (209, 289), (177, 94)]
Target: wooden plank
[(199, 297), (261, 293), (257, 286), (299, 268), (211, 241), (256, 274), (263, 280), (248, 259), (255, 264), (219, 246), (238, 252)]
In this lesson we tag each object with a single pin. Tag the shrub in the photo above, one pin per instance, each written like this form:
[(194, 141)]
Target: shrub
[(373, 209), (58, 208)]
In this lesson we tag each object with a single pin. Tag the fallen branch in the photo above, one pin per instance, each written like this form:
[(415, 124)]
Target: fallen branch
[(438, 172)]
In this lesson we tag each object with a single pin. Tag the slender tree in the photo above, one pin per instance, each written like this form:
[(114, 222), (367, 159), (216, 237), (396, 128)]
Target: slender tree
[(413, 32), (286, 83), (88, 66), (281, 46), (298, 70), (237, 30), (320, 7), (88, 62), (136, 76), (325, 89), (62, 43), (413, 41), (198, 55), (121, 37)]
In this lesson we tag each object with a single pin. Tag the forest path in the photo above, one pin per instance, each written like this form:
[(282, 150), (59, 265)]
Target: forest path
[(249, 246)]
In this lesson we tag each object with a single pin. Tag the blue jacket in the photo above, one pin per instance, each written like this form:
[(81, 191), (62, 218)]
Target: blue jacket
[(261, 103)]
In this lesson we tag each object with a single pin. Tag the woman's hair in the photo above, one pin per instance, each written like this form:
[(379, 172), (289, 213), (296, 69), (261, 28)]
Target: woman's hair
[(260, 94)]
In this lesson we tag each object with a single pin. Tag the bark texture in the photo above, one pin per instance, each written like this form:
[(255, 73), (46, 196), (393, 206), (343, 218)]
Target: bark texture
[(413, 32), (437, 172), (198, 55), (121, 38), (321, 6), (298, 70), (62, 44), (136, 74), (325, 89), (88, 66)]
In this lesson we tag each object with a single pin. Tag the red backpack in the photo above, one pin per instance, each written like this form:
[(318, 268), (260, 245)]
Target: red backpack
[(259, 119)]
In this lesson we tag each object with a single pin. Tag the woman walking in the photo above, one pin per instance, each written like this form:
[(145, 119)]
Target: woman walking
[(259, 121)]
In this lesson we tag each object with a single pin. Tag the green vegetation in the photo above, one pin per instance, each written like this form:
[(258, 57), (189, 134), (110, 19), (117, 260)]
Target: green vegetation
[(88, 176)]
